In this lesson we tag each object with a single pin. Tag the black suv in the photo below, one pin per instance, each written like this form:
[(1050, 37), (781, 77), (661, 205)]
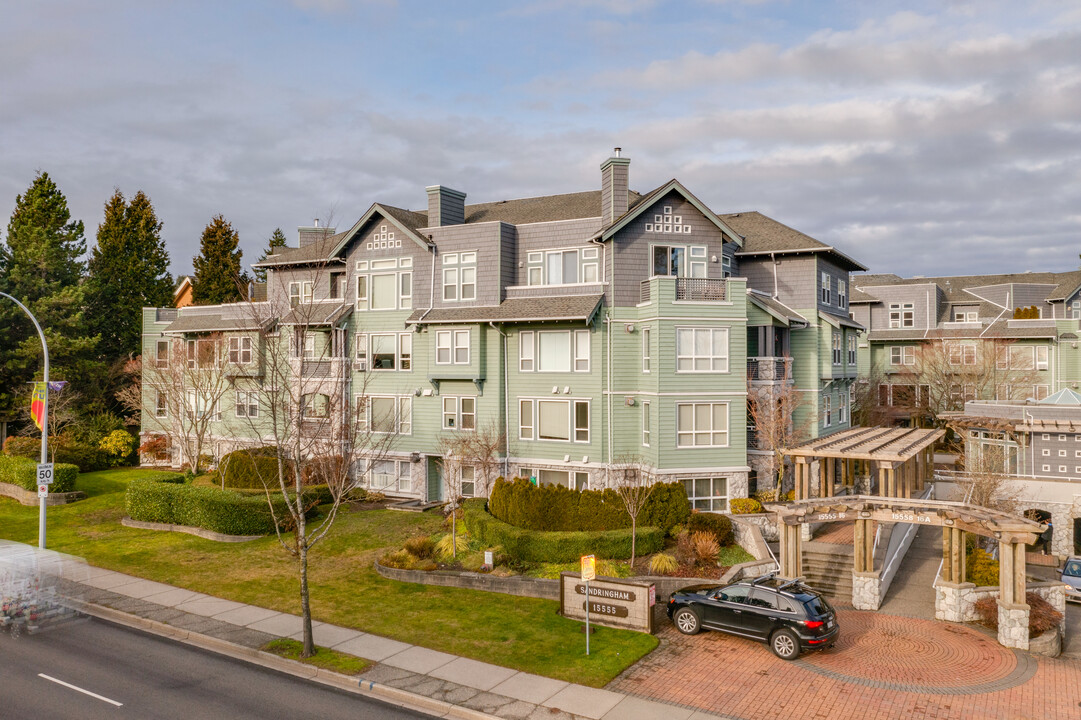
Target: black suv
[(784, 613)]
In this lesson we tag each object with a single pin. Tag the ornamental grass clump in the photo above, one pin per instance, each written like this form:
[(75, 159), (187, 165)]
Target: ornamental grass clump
[(662, 564), (420, 546), (705, 547), (448, 544)]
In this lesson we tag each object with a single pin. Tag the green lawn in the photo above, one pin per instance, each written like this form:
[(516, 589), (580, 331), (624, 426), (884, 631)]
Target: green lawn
[(323, 658), (521, 633)]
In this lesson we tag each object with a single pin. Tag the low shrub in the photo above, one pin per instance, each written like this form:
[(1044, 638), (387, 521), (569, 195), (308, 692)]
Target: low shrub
[(766, 496), (156, 447), (719, 525), (61, 449), (744, 506), (980, 568), (1041, 617), (533, 546), (251, 468), (662, 564), (400, 559), (165, 498), (23, 472), (705, 547), (554, 507), (118, 445), (420, 546), (790, 496)]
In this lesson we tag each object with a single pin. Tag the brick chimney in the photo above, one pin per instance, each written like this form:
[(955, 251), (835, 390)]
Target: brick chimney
[(615, 193), (445, 206), (309, 235)]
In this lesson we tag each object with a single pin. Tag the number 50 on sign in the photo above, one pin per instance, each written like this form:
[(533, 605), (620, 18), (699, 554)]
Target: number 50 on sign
[(45, 473)]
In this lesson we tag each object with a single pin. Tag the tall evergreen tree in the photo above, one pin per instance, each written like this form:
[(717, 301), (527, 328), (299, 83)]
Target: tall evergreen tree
[(42, 266), (129, 269), (274, 246), (219, 275)]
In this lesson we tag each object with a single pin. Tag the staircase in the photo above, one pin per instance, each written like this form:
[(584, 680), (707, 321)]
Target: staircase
[(828, 569)]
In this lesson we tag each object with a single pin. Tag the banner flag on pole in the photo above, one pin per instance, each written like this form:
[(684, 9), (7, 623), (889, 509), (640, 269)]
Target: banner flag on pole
[(37, 404), (55, 386)]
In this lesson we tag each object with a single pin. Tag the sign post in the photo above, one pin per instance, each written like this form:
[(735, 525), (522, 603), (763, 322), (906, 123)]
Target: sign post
[(589, 572)]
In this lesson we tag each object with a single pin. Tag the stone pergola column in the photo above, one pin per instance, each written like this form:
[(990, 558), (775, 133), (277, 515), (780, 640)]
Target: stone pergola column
[(1013, 610)]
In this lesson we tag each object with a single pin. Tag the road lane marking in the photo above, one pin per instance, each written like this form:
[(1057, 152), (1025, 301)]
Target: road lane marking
[(79, 689)]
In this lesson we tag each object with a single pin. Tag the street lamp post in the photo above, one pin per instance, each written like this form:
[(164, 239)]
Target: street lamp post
[(44, 416)]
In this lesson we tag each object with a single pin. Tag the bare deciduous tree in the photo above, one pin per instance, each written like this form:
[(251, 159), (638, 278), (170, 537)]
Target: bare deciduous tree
[(773, 411), (185, 390), (634, 482)]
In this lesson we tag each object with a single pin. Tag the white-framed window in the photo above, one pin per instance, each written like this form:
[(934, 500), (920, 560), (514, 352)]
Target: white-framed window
[(564, 266), (966, 316), (554, 420), (645, 424), (315, 406), (452, 347), (1075, 310), (300, 292), (851, 348), (708, 494), (161, 409), (1062, 453), (1062, 438), (962, 354), (852, 395), (1046, 452), (240, 350), (200, 405), (826, 288), (202, 353), (1047, 468), (902, 355), (679, 261), (247, 404), (387, 476), (161, 358), (902, 315), (385, 284), (842, 293), (467, 484), (1062, 468), (1041, 357), (460, 276), (1039, 392), (554, 351), (385, 414), (726, 266), (703, 350), (566, 478), (459, 412), (838, 354), (842, 409), (1046, 436), (309, 346), (647, 351), (702, 425), (384, 351), (827, 411)]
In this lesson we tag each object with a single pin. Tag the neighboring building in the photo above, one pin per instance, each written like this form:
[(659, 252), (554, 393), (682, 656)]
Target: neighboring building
[(594, 327), (1038, 443), (937, 342), (182, 294)]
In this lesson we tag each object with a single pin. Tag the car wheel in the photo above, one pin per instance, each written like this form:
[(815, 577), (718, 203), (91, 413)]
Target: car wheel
[(784, 644), (686, 621)]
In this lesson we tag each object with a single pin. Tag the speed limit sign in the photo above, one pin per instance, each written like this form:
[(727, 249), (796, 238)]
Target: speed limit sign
[(45, 473)]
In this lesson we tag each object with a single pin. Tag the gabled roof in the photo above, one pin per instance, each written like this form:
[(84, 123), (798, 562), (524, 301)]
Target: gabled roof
[(218, 318), (857, 296), (527, 309), (656, 194), (326, 312), (764, 235), (1069, 283), (776, 308), (839, 321), (966, 288)]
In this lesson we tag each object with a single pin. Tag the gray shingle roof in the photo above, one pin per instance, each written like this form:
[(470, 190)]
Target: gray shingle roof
[(317, 251), (763, 234), (856, 296), (999, 330), (527, 309), (776, 306), (547, 208), (237, 316), (318, 313), (955, 287)]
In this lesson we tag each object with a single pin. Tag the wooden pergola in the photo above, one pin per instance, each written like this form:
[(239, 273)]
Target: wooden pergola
[(903, 459)]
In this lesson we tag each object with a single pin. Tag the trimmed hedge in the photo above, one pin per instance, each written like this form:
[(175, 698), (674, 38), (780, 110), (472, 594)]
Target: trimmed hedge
[(556, 547), (62, 450), (249, 468), (165, 498), (23, 472), (557, 508), (744, 506)]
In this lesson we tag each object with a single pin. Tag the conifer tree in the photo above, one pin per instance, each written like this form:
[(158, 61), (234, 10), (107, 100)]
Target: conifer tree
[(42, 266), (276, 243), (219, 276), (129, 269)]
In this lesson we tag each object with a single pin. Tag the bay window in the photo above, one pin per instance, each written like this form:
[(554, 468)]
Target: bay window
[(452, 347), (701, 425), (554, 351), (701, 349)]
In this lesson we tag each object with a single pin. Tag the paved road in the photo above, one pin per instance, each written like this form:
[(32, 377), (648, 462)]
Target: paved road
[(135, 675)]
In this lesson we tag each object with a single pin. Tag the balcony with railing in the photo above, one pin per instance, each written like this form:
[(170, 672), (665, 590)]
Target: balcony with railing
[(684, 289), (769, 369), (319, 368)]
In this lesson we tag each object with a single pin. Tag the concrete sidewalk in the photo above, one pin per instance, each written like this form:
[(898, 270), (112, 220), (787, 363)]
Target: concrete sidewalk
[(415, 672)]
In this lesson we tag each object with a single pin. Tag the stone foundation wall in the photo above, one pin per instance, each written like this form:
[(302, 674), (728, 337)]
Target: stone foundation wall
[(1055, 595), (749, 536), (956, 602), (765, 522)]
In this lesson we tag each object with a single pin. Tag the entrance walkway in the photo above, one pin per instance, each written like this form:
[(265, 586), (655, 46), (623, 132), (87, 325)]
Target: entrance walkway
[(911, 592)]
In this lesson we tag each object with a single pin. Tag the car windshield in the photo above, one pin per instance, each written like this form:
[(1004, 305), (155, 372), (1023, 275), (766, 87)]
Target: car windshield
[(1072, 569), (817, 605)]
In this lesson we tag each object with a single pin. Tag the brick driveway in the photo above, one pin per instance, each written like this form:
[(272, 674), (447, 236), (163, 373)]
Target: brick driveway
[(883, 667)]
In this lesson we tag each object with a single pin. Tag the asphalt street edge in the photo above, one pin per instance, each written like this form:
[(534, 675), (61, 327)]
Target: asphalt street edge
[(386, 693)]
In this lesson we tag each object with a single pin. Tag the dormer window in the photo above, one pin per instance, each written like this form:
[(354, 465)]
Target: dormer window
[(902, 315), (563, 267)]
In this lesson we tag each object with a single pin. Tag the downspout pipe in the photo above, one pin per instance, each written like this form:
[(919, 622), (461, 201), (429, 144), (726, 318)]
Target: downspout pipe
[(431, 289), (506, 403), (608, 379)]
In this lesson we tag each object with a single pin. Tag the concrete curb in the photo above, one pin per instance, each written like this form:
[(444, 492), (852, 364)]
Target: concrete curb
[(197, 531), (386, 693)]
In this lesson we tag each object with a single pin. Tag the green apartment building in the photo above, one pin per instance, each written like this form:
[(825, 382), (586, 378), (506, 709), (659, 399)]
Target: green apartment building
[(592, 328)]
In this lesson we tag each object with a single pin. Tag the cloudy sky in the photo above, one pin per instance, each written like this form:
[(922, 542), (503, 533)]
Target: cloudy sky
[(923, 138)]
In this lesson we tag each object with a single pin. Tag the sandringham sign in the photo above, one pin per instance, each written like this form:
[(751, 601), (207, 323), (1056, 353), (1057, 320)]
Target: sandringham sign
[(616, 603)]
